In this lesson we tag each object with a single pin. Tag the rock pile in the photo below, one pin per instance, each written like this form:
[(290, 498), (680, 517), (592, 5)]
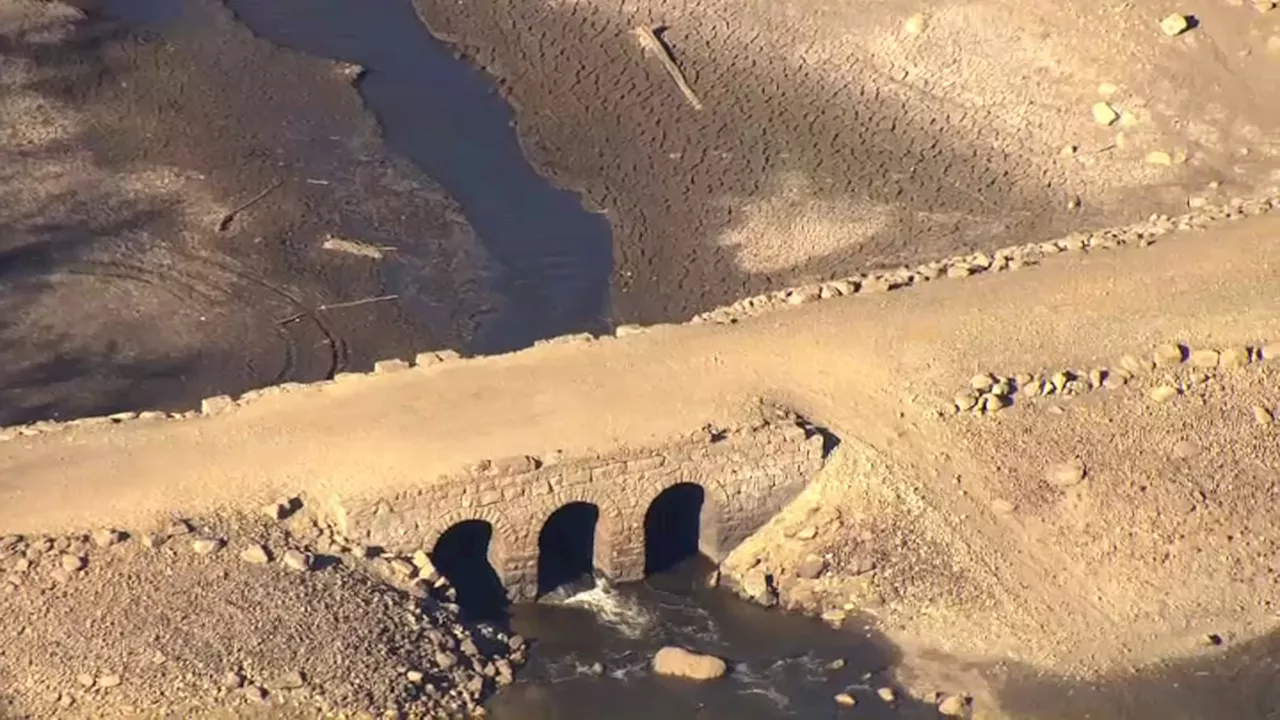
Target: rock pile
[(1180, 368), (238, 612)]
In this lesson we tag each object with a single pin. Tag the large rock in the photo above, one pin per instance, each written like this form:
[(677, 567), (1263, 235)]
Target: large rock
[(678, 662)]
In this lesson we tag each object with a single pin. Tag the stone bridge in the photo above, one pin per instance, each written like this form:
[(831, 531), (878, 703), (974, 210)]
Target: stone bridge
[(540, 522)]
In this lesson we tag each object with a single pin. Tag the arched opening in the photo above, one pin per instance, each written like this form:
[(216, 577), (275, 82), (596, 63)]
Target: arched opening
[(566, 546), (672, 527), (461, 555)]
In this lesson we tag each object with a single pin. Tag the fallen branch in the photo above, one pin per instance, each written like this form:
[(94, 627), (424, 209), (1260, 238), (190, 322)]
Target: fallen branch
[(227, 219), (653, 46), (354, 303), (334, 306)]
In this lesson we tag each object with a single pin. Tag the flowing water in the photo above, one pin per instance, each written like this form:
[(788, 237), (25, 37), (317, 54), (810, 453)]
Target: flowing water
[(592, 651)]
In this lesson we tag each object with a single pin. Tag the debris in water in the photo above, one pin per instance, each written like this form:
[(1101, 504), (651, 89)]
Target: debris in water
[(355, 247), (227, 219)]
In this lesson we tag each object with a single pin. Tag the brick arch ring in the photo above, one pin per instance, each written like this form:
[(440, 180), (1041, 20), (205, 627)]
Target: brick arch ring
[(714, 506), (499, 544), (609, 524)]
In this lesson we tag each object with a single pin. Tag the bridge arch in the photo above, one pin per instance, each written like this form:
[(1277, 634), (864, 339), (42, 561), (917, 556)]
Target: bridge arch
[(608, 526), (472, 548), (680, 517)]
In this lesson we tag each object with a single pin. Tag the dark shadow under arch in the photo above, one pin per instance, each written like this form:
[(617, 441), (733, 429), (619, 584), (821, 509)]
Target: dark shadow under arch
[(566, 545), (672, 527), (461, 554)]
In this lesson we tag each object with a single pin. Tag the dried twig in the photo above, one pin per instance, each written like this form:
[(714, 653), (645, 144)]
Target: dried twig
[(334, 306), (354, 303), (226, 220), (653, 46)]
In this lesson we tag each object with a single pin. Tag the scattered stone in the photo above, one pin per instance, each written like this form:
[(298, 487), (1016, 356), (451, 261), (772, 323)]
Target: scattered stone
[(216, 404), (808, 533), (401, 567), (291, 680), (1262, 415), (206, 546), (811, 568), (981, 382), (837, 664), (1001, 507), (383, 367), (106, 537), (1067, 473), (1204, 358), (1164, 392), (846, 699), (1185, 449), (992, 403), (1234, 357), (953, 705), (1068, 151), (414, 676), (756, 586), (422, 561), (297, 560), (281, 509), (966, 400), (255, 693), (1270, 353), (1137, 366), (109, 681), (178, 527), (1169, 354), (1104, 114), (256, 554), (1059, 380), (887, 694), (914, 24), (678, 662), (1000, 389), (232, 681), (73, 563), (1159, 157), (151, 541), (86, 680), (834, 617), (1175, 24)]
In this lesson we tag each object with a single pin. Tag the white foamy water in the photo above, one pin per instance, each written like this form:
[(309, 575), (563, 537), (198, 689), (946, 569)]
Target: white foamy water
[(624, 614)]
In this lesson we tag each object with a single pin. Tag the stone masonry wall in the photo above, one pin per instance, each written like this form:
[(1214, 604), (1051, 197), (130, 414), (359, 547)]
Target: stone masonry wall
[(747, 474)]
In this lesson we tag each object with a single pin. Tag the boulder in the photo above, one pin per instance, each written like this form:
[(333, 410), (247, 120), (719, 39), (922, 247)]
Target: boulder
[(678, 662)]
